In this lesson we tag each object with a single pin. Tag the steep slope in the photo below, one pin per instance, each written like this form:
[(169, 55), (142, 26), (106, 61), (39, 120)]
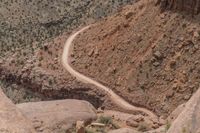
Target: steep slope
[(32, 36), (24, 23), (148, 57), (188, 120)]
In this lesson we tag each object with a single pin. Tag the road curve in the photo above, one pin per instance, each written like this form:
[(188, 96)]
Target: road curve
[(114, 97)]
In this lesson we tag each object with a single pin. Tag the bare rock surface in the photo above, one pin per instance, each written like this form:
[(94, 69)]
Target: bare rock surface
[(135, 121), (176, 113), (58, 116), (11, 119), (189, 120), (124, 130), (117, 115)]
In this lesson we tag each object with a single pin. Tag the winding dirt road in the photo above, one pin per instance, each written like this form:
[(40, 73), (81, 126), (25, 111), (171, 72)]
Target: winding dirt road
[(114, 97)]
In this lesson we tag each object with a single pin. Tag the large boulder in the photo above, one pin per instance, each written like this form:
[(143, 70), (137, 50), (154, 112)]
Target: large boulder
[(58, 116), (11, 119), (189, 119)]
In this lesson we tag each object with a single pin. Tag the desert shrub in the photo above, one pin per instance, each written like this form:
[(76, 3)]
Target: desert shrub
[(168, 125), (105, 120), (108, 121)]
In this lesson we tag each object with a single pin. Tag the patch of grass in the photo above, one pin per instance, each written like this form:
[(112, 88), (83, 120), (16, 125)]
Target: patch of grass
[(108, 121), (105, 120)]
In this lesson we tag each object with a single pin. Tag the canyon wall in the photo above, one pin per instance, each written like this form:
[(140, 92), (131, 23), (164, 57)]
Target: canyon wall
[(191, 6)]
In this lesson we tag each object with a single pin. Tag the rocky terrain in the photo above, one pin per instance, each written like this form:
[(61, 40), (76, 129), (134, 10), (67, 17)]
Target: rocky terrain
[(32, 38), (148, 57), (145, 51), (43, 117)]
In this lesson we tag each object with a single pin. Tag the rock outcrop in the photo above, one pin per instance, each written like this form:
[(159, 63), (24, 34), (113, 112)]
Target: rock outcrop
[(192, 6), (58, 116), (11, 118), (189, 120)]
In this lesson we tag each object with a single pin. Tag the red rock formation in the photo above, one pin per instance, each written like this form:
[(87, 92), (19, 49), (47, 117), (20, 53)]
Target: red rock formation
[(191, 6)]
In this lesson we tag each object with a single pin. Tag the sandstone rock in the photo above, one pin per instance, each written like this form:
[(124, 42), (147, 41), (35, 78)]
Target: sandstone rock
[(96, 51), (196, 47), (95, 124), (156, 64), (170, 94), (172, 63), (129, 15), (80, 128), (11, 119), (196, 34), (175, 86), (91, 52), (158, 55), (117, 115), (187, 97), (138, 38), (162, 16), (161, 129), (138, 118), (162, 120), (58, 116), (132, 123), (175, 113), (124, 130), (189, 119)]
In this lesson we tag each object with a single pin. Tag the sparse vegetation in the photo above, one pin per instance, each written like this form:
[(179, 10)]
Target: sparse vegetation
[(25, 31), (150, 57), (143, 127), (105, 120), (108, 121), (168, 125)]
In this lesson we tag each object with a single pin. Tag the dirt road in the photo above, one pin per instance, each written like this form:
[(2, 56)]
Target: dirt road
[(114, 97)]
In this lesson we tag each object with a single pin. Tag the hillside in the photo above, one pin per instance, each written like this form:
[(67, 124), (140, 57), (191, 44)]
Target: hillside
[(31, 42), (148, 57), (97, 66), (26, 22)]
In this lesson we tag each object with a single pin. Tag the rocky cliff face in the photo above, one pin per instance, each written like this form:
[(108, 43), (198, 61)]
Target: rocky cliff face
[(191, 6)]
